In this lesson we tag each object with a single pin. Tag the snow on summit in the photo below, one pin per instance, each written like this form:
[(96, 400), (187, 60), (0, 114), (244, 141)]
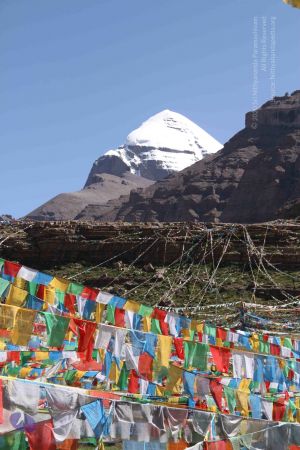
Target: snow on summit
[(168, 129), (164, 143)]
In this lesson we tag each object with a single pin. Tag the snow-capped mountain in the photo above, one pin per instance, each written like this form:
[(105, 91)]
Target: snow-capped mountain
[(167, 142)]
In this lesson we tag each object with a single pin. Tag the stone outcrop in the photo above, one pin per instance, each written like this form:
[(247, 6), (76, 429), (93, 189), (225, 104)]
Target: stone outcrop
[(46, 245)]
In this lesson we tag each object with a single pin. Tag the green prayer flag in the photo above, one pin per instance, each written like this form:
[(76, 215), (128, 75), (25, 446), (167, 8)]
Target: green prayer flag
[(69, 376), (13, 371), (145, 310), (264, 347), (75, 288), (14, 441), (56, 329), (195, 355), (287, 342), (230, 398), (123, 378), (2, 261), (3, 285), (110, 314), (210, 330), (25, 356), (32, 287), (155, 326)]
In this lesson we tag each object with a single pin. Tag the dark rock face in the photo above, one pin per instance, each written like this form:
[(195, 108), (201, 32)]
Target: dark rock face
[(51, 244), (254, 178), (279, 111)]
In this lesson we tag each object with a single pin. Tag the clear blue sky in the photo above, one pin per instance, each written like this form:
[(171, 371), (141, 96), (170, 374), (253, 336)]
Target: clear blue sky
[(76, 76)]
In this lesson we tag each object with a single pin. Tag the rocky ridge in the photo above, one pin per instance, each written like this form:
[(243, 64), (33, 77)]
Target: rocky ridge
[(254, 178)]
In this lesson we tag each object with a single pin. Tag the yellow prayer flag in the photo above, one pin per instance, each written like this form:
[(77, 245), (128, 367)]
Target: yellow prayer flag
[(7, 316), (186, 334), (131, 305), (254, 342), (242, 395), (100, 445), (49, 296), (99, 312), (24, 371), (200, 327), (69, 335), (59, 283), (147, 324), (174, 384), (102, 352), (297, 404), (219, 342), (16, 296), (160, 391), (79, 374), (23, 327), (41, 356), (244, 385), (242, 403), (164, 350), (114, 372), (20, 283)]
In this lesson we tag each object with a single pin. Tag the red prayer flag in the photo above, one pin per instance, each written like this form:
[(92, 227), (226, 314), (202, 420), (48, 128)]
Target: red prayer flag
[(221, 357), (69, 302), (279, 409), (40, 293), (11, 268), (159, 314), (119, 317), (275, 349), (13, 356), (178, 344), (133, 382), (40, 436), (216, 390), (221, 334), (86, 336), (145, 366), (89, 293)]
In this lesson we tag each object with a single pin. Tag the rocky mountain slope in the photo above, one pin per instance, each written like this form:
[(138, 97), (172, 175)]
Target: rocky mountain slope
[(164, 144), (68, 206), (254, 178)]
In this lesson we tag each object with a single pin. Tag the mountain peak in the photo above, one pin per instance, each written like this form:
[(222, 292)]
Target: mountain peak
[(171, 130), (167, 142)]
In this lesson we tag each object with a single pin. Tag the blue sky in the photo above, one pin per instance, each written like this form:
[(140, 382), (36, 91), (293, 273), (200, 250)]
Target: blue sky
[(77, 76)]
